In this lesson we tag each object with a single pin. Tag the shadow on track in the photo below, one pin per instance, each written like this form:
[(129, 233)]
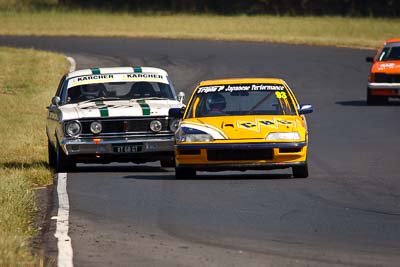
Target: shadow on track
[(363, 103), (212, 176), (124, 168), (356, 103), (155, 172)]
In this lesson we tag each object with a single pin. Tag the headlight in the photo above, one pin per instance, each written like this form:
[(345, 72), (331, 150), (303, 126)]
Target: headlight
[(187, 134), (371, 77), (173, 125), (155, 126), (283, 136), (196, 138), (73, 128), (96, 127)]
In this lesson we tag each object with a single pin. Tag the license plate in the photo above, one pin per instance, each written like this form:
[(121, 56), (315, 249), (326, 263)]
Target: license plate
[(127, 149)]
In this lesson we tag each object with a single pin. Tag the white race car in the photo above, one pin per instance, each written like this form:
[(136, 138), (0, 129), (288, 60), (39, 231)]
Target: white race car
[(105, 115)]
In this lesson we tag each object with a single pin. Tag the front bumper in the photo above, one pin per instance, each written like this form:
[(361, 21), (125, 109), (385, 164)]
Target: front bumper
[(215, 157), (384, 89), (111, 149)]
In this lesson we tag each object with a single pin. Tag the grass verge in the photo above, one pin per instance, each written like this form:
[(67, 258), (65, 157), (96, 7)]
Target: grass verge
[(26, 87), (335, 31)]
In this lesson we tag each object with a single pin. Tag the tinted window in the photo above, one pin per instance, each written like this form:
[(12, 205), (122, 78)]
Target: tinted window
[(390, 53), (121, 90), (61, 84), (241, 99)]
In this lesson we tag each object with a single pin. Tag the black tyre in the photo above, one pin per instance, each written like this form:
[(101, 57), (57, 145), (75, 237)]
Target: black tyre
[(375, 100), (184, 173), (300, 171), (63, 162), (168, 163), (51, 154)]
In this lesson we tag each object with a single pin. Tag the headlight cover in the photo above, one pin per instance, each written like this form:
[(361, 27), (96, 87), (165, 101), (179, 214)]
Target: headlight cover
[(174, 124), (289, 136), (187, 134), (96, 127), (196, 138), (73, 128), (155, 126)]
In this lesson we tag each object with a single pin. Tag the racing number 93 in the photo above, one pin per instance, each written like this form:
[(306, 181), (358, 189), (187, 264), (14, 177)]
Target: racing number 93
[(280, 95)]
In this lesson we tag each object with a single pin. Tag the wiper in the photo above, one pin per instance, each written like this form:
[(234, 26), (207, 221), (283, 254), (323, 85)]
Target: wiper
[(150, 97), (102, 98), (156, 98)]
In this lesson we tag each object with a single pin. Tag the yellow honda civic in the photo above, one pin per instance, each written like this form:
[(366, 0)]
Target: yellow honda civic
[(242, 124)]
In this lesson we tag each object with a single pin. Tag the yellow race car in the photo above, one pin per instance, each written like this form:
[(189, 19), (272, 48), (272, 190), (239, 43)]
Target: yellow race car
[(242, 124)]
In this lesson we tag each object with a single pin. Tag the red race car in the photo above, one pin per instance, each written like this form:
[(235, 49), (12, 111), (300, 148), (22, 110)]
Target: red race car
[(384, 77)]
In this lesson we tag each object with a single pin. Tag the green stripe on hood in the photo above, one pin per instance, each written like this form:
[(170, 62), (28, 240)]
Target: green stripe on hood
[(95, 71), (102, 108), (104, 112), (137, 69), (145, 107)]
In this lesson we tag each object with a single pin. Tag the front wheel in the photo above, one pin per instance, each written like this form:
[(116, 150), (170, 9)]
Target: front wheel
[(300, 171), (63, 162), (375, 100), (52, 154), (184, 173)]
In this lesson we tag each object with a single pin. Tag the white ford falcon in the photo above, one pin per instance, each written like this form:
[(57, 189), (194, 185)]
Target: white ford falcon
[(104, 115)]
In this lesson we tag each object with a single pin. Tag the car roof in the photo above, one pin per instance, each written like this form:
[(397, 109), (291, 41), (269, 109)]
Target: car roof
[(241, 81), (393, 40), (114, 70)]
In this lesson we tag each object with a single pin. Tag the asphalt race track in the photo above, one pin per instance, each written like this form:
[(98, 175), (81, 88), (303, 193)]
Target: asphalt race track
[(347, 213)]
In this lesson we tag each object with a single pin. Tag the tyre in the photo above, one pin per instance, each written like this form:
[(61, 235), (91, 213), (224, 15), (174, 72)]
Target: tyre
[(168, 163), (63, 162), (375, 100), (300, 171), (51, 154), (184, 173)]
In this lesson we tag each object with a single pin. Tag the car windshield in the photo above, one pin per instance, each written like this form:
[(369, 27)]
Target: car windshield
[(241, 99), (118, 90), (390, 53)]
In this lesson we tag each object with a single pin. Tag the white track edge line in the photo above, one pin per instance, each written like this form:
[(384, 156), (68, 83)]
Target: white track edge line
[(65, 253)]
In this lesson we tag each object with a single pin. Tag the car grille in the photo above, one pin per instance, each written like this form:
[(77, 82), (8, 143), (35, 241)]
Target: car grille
[(240, 154), (124, 125), (387, 78), (189, 152)]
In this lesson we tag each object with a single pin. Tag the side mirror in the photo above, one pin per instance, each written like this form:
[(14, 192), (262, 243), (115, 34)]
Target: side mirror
[(176, 112), (369, 59), (305, 109), (55, 100), (181, 96)]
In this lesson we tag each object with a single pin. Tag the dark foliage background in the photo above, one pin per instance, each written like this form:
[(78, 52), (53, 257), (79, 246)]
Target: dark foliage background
[(380, 8)]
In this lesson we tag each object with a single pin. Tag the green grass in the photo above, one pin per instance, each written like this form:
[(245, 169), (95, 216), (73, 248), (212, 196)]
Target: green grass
[(337, 31), (26, 87)]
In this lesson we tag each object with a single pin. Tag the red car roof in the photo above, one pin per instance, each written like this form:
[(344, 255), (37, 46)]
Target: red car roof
[(394, 40)]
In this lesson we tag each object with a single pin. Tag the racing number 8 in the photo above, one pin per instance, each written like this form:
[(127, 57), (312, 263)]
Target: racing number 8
[(280, 95)]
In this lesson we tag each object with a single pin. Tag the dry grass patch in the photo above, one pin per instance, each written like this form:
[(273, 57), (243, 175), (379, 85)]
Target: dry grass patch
[(337, 31), (16, 208), (26, 87)]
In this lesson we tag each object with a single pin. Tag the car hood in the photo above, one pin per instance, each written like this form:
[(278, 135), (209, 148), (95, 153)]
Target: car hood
[(392, 66), (245, 127), (119, 108)]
